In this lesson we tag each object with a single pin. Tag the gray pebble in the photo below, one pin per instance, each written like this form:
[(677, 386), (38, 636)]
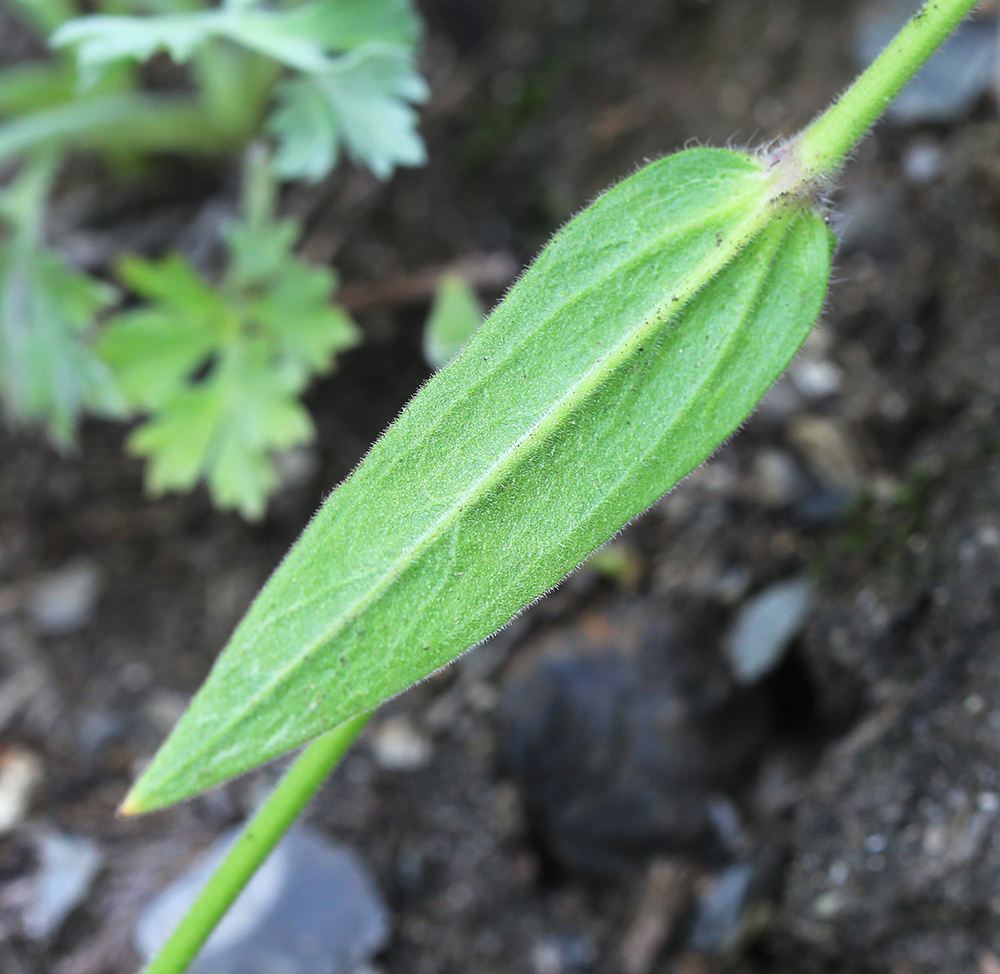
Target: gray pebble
[(718, 922), (68, 866), (312, 908), (63, 601), (764, 626), (953, 79)]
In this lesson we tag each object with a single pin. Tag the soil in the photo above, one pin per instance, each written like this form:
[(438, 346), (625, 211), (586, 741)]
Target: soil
[(869, 811)]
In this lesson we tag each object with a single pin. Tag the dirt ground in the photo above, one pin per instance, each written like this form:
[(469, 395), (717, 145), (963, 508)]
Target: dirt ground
[(856, 789)]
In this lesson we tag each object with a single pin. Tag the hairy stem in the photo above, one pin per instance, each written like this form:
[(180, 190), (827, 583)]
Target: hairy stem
[(820, 150)]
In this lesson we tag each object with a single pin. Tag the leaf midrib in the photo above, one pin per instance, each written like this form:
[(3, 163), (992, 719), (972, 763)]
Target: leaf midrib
[(509, 352), (747, 231)]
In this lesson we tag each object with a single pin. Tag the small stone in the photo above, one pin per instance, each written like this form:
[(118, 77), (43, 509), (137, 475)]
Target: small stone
[(68, 866), (731, 587), (815, 378), (20, 775), (780, 402), (482, 697), (718, 923), (63, 601), (827, 905), (824, 506), (988, 963), (164, 708), (974, 703), (96, 729), (563, 953), (619, 732), (398, 746), (876, 843), (950, 83), (775, 479), (935, 839), (310, 909), (922, 163), (829, 452), (989, 802), (839, 872), (763, 628), (296, 467)]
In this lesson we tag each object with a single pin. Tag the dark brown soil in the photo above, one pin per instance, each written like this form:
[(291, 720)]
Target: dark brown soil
[(870, 811)]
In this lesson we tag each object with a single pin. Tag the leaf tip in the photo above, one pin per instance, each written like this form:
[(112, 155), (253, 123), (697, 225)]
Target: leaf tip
[(131, 806), (141, 799)]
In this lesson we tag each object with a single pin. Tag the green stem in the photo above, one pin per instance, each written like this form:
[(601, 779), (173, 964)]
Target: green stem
[(128, 122), (300, 782), (820, 150)]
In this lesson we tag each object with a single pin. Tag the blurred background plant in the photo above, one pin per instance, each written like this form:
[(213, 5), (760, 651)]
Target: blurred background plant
[(216, 366)]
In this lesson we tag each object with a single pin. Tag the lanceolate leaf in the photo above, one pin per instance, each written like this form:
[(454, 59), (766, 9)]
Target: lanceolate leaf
[(641, 338)]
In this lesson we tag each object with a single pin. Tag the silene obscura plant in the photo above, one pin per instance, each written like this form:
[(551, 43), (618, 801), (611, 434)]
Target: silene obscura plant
[(640, 338)]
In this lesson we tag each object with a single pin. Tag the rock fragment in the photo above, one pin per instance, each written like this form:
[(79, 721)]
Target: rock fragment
[(312, 908)]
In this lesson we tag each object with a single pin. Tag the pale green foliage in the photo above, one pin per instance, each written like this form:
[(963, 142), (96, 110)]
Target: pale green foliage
[(363, 101), (218, 370), (43, 105), (322, 77), (48, 370), (642, 336), (353, 80), (455, 315)]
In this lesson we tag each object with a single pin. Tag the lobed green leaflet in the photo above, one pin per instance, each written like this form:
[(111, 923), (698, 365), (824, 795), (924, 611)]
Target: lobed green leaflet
[(641, 337)]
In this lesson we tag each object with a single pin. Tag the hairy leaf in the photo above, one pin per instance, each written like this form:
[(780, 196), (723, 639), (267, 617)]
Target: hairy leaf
[(642, 336)]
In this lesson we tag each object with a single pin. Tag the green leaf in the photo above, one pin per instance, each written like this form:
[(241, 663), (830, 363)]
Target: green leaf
[(260, 257), (153, 349), (642, 336), (102, 39), (455, 315), (362, 98), (125, 122), (49, 372), (224, 429), (32, 86), (345, 24), (219, 369), (297, 316), (363, 101), (299, 37)]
